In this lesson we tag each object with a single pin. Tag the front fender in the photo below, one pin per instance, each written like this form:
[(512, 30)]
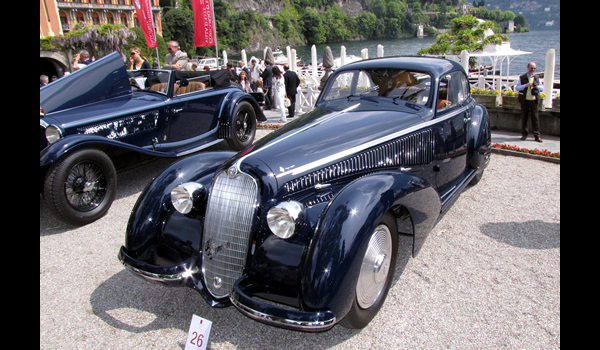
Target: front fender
[(71, 143), (344, 229), (156, 232)]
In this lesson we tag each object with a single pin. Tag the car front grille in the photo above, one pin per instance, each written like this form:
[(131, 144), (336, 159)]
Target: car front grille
[(227, 226)]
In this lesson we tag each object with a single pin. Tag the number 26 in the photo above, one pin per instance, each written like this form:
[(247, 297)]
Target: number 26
[(197, 339)]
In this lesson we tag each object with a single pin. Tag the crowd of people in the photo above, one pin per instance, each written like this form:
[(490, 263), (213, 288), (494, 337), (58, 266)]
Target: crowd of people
[(278, 87)]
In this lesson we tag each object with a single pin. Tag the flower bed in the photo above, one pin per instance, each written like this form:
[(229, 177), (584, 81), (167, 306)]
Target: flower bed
[(269, 126), (486, 98), (543, 152)]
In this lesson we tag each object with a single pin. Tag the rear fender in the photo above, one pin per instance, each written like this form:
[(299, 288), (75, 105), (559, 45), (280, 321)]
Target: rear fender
[(232, 101), (342, 234)]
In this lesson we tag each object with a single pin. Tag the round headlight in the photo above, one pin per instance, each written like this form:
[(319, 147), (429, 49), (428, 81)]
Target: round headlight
[(284, 218), (185, 195), (52, 134)]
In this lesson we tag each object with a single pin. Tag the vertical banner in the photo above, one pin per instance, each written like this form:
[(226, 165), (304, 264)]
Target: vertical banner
[(144, 14), (204, 24)]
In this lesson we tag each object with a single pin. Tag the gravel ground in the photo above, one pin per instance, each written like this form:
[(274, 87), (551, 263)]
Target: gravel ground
[(488, 276)]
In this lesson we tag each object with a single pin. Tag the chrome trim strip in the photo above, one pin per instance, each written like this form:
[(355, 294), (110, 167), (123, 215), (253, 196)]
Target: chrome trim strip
[(334, 115), (327, 160), (157, 276), (206, 145), (283, 322)]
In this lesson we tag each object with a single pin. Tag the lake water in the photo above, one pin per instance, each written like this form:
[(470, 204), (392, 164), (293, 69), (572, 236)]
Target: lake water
[(536, 42)]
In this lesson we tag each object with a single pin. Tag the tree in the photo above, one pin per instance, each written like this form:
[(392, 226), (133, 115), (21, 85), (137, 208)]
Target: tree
[(467, 34), (97, 40), (149, 53), (178, 24), (520, 21), (313, 28)]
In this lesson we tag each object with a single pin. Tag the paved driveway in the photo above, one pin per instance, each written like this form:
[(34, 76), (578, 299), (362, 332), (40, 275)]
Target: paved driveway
[(488, 276)]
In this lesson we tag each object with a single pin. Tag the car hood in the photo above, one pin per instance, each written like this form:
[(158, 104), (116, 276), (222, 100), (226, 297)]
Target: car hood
[(94, 114), (103, 79), (324, 137)]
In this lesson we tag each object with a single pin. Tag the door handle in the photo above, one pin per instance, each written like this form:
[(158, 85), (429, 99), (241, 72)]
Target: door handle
[(177, 110)]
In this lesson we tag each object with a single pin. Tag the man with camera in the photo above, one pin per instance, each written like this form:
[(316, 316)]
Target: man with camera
[(529, 88)]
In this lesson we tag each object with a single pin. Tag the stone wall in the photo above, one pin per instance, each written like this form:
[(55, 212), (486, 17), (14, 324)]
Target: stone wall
[(510, 120)]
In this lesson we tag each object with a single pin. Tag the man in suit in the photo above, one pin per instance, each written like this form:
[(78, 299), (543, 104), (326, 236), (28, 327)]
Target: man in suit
[(291, 85), (267, 77), (175, 59), (529, 88)]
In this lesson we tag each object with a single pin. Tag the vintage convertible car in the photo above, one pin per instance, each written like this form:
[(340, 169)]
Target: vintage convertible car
[(300, 230), (98, 117)]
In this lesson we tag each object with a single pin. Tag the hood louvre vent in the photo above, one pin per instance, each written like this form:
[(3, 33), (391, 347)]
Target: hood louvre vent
[(411, 150)]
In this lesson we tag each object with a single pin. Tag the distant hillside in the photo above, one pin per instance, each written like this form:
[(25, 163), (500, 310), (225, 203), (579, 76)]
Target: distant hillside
[(539, 14)]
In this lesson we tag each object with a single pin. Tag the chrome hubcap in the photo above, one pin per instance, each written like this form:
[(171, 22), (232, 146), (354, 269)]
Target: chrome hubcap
[(375, 267)]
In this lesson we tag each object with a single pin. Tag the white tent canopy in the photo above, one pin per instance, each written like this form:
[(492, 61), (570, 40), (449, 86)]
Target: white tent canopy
[(497, 54)]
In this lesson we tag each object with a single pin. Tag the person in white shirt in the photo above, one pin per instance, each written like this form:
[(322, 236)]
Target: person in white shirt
[(254, 75)]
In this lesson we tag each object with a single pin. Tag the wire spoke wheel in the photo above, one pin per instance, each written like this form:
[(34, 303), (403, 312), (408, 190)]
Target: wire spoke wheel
[(85, 187), (243, 127), (80, 188)]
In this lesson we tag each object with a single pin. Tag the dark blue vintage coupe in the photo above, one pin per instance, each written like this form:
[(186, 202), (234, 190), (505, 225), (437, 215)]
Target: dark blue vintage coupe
[(102, 117), (300, 230)]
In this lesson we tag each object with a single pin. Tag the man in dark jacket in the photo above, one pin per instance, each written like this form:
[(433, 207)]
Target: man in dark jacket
[(529, 88), (291, 84), (267, 77)]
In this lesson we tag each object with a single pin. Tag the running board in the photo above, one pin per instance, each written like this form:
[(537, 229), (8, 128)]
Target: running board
[(452, 194)]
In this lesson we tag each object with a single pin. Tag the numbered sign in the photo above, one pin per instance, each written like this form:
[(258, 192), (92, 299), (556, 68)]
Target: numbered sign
[(198, 334)]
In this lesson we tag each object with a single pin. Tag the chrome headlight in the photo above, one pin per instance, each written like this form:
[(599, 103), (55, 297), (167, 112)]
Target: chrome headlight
[(53, 134), (284, 218), (184, 196)]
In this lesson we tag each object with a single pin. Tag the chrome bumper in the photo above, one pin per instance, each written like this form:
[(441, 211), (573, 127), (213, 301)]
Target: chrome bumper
[(309, 321), (176, 274)]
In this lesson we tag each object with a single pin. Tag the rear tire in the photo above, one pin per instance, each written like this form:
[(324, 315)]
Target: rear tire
[(243, 127), (376, 274), (81, 188)]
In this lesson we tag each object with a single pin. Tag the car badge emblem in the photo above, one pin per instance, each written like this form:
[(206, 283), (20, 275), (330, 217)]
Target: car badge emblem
[(232, 171), (212, 250), (217, 282)]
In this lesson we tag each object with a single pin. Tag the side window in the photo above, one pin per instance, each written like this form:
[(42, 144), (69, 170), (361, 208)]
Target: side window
[(451, 90)]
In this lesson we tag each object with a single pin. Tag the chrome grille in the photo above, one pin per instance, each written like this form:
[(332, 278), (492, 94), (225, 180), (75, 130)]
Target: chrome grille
[(415, 149), (231, 207)]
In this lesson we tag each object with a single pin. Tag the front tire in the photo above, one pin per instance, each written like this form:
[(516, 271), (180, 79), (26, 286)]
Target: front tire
[(243, 127), (81, 188), (376, 274)]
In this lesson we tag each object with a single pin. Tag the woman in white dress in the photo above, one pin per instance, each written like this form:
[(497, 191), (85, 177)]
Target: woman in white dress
[(279, 91)]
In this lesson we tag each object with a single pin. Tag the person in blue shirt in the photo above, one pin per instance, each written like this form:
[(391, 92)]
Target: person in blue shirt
[(529, 88)]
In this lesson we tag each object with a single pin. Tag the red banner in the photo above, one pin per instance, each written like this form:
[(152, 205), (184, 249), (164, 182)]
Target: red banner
[(204, 30), (144, 14)]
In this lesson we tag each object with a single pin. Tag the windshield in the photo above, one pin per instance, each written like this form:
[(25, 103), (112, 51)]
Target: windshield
[(392, 84)]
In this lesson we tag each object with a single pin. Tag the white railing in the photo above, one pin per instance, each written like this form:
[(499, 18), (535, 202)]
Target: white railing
[(306, 99)]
